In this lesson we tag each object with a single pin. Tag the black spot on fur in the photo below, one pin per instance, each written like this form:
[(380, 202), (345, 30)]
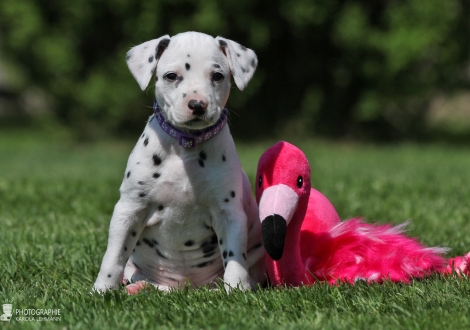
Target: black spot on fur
[(203, 155), (141, 182), (148, 242), (209, 248), (226, 200), (138, 243), (238, 55), (128, 56), (195, 92), (202, 158), (133, 233), (160, 254), (244, 70), (253, 62), (232, 193), (128, 174), (225, 265), (146, 141), (150, 59), (125, 248), (133, 250), (189, 243), (188, 55), (221, 242), (162, 45), (142, 194), (222, 43), (204, 264), (187, 66), (214, 239), (243, 47), (244, 256), (156, 175), (184, 95), (216, 66), (156, 160), (109, 275), (224, 254), (230, 254), (207, 255), (224, 158), (142, 136), (160, 207), (154, 241)]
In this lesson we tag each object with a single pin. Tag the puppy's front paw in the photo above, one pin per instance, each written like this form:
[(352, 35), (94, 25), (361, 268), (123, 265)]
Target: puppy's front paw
[(236, 277), (101, 287)]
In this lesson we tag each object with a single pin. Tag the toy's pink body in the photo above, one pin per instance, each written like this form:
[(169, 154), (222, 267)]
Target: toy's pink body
[(318, 246)]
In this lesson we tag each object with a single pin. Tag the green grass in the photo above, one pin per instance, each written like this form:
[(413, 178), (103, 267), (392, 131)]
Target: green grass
[(56, 199)]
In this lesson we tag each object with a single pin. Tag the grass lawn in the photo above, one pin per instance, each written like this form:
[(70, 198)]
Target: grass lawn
[(56, 200)]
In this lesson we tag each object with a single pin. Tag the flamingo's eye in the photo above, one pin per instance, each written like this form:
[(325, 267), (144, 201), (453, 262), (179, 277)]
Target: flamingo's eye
[(300, 182), (260, 181)]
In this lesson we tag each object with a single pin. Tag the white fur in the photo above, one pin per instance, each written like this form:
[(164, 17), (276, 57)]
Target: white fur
[(188, 215)]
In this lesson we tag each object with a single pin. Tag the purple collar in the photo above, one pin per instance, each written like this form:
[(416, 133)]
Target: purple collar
[(189, 140)]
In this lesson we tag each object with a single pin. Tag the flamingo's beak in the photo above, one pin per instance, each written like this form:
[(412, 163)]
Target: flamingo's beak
[(277, 206)]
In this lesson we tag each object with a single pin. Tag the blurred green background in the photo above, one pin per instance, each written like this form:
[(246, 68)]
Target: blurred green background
[(375, 70)]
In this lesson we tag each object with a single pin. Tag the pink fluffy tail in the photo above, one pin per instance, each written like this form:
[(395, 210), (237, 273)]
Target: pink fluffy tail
[(354, 250)]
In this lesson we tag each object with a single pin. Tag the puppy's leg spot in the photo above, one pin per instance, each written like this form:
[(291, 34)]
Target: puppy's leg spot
[(146, 141), (128, 174), (187, 66), (230, 254), (109, 275), (224, 158), (221, 242), (226, 200), (232, 193), (184, 95), (156, 175), (224, 254), (133, 233), (125, 248)]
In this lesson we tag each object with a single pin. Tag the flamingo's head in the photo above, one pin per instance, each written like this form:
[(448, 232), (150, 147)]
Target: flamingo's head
[(283, 181)]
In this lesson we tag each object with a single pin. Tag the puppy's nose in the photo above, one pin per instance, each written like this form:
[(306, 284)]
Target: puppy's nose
[(198, 107)]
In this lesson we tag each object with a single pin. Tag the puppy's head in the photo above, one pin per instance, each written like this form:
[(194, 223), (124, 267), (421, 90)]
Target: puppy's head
[(193, 72)]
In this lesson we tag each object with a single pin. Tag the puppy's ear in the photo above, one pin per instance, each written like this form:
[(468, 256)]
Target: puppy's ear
[(142, 59), (242, 61)]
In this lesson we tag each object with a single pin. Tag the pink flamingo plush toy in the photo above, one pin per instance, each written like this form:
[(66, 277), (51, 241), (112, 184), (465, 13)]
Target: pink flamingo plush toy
[(306, 241)]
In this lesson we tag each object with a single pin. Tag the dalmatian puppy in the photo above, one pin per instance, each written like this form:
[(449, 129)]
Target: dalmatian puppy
[(186, 215)]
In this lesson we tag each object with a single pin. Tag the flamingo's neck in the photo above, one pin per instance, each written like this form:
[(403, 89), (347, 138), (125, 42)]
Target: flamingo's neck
[(290, 269)]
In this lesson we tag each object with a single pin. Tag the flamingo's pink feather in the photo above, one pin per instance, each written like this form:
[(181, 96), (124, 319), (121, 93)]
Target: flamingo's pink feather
[(354, 250)]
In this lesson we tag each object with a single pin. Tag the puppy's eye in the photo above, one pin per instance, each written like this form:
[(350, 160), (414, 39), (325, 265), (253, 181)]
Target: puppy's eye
[(171, 76), (217, 76)]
